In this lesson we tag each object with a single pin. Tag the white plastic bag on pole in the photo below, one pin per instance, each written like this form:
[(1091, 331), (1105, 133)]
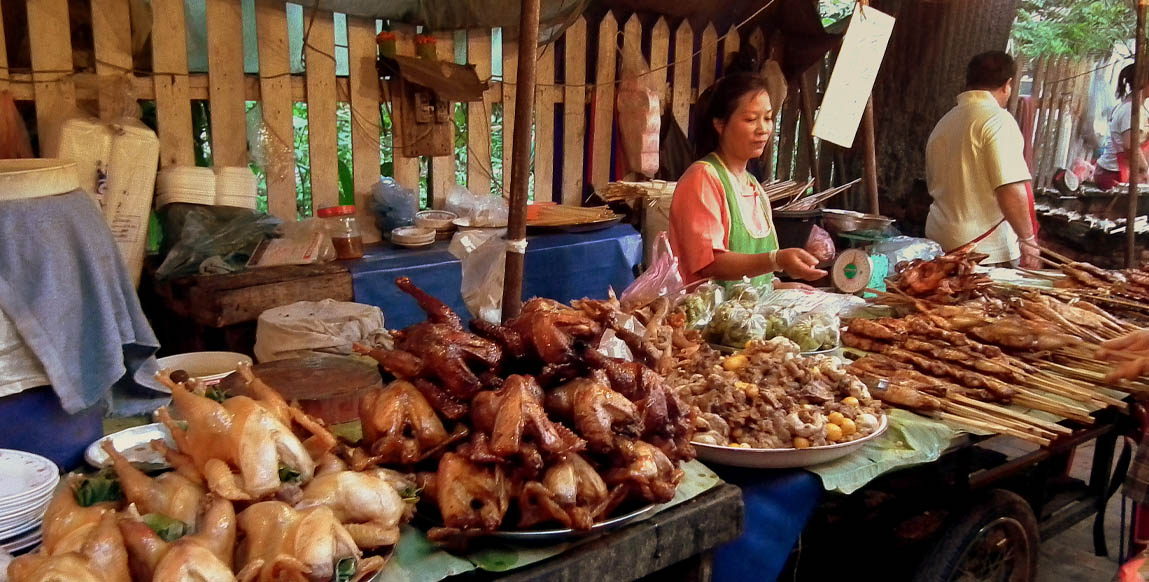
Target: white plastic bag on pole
[(484, 257)]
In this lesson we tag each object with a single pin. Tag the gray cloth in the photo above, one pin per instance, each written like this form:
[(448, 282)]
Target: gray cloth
[(64, 285)]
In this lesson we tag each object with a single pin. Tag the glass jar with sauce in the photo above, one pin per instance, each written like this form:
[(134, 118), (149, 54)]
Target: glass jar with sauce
[(343, 228)]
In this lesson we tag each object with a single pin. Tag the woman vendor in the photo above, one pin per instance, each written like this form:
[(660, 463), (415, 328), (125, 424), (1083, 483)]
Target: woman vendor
[(721, 225), (1113, 165)]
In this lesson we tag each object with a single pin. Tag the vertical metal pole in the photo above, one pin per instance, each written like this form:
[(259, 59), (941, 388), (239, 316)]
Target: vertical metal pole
[(1135, 139), (521, 157)]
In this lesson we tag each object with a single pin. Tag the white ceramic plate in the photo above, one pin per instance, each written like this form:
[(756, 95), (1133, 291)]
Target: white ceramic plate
[(11, 508), (24, 474), (25, 542), (784, 458), (133, 443), (210, 367), (21, 531), (33, 516)]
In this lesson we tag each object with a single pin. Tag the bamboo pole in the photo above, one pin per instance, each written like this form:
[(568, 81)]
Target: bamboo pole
[(1135, 139), (869, 148), (521, 159)]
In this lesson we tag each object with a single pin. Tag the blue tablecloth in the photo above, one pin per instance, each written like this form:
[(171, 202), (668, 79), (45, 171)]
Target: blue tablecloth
[(563, 266), (778, 503)]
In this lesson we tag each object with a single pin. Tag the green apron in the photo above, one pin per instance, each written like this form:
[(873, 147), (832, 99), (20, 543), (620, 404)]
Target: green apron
[(740, 240)]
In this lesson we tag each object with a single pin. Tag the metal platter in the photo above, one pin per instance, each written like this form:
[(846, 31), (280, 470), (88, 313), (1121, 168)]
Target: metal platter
[(784, 458), (556, 535)]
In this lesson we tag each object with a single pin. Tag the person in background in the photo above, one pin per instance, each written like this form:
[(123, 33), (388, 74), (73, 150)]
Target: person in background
[(1113, 165), (976, 171), (721, 225)]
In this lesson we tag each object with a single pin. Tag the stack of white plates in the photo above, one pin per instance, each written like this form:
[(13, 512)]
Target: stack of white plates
[(413, 237), (235, 186), (189, 184), (27, 482)]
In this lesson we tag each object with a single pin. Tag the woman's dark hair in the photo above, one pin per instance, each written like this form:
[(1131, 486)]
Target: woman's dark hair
[(723, 100), (989, 70), (1125, 82)]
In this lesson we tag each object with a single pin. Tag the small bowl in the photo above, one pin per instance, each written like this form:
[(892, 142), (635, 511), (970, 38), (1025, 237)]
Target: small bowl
[(435, 219), (412, 235), (419, 245)]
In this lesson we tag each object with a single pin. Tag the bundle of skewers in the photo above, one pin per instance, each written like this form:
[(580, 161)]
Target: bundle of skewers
[(564, 215), (812, 201), (1126, 290), (784, 189), (937, 366), (632, 191)]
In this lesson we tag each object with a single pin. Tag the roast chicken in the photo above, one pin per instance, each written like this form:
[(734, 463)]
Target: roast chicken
[(571, 493), (170, 494), (366, 503), (469, 496), (204, 556), (98, 555), (400, 426), (281, 543)]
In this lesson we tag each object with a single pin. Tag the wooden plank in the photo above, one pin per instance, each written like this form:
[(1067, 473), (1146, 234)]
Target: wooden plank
[(545, 124), (365, 128), (112, 44), (631, 41), (574, 111), (708, 58), (276, 106), (170, 61), (786, 138), (52, 53), (322, 138), (1040, 91), (510, 78), (443, 167), (3, 57), (603, 115), (479, 115), (225, 75), (683, 75), (406, 169), (659, 55), (730, 46)]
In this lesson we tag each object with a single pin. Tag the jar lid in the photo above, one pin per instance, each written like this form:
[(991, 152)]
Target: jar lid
[(330, 211)]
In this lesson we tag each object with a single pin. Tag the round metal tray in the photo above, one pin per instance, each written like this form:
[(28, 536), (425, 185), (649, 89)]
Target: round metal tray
[(554, 535), (784, 458)]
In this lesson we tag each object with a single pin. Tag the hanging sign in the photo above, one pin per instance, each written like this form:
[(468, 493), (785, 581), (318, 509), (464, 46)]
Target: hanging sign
[(854, 74)]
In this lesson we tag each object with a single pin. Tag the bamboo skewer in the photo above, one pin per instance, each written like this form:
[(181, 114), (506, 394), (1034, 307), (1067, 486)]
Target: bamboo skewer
[(1036, 402), (981, 415), (992, 427), (1003, 411)]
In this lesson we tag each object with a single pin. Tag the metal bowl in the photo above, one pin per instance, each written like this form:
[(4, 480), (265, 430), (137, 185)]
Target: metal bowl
[(849, 221)]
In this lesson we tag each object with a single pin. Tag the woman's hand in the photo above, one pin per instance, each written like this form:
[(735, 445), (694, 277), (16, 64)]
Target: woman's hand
[(1132, 351), (799, 264)]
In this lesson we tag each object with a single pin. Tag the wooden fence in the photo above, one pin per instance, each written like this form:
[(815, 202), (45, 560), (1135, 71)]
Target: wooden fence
[(1059, 93), (576, 82)]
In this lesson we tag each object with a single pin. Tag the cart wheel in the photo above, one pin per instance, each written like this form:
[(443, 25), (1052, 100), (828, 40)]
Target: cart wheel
[(995, 541)]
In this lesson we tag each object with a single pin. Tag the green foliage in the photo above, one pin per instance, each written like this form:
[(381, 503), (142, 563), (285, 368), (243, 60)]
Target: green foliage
[(169, 529), (98, 488), (1072, 27)]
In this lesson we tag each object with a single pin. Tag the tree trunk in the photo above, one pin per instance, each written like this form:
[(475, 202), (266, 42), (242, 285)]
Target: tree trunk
[(923, 72)]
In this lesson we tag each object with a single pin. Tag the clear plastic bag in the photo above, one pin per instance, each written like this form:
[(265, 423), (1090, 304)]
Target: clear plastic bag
[(394, 205), (228, 234), (699, 305), (303, 243), (483, 255), (478, 210), (907, 248), (815, 331), (778, 319)]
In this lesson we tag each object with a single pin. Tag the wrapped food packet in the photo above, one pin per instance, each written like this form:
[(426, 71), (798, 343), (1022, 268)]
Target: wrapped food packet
[(815, 331), (726, 316), (700, 304), (745, 330)]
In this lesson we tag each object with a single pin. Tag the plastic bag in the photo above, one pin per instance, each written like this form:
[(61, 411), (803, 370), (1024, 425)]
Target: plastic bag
[(483, 255), (231, 234), (639, 114), (478, 210), (815, 331), (778, 319), (303, 243), (821, 245), (907, 248), (661, 279), (699, 305), (735, 324), (394, 205), (308, 327)]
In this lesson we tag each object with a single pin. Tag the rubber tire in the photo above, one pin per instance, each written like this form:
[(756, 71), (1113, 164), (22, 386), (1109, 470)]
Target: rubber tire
[(942, 560)]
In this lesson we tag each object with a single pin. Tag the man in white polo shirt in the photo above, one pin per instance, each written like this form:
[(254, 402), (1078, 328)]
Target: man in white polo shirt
[(976, 171)]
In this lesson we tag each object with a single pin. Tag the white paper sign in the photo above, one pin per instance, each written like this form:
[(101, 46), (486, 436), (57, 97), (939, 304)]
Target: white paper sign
[(853, 76)]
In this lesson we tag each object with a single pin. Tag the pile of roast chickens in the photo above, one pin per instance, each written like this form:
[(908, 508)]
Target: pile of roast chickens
[(526, 424), (257, 492)]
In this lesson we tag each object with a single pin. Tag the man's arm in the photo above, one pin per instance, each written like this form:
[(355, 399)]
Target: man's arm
[(1014, 203)]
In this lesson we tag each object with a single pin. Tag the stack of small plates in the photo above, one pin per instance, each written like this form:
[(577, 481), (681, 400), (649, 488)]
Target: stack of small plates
[(27, 482), (235, 186), (413, 237), (188, 184), (440, 221)]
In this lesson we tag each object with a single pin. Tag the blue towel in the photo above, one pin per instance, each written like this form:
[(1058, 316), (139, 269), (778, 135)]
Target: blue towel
[(65, 287)]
